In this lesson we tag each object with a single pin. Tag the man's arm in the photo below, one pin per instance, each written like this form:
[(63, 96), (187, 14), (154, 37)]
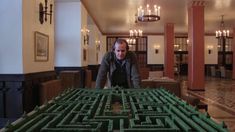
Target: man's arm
[(102, 73), (135, 75)]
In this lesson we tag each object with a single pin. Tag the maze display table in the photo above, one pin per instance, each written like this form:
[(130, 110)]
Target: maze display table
[(108, 110), (172, 85)]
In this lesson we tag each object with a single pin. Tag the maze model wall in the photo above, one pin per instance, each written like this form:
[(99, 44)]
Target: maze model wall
[(129, 110)]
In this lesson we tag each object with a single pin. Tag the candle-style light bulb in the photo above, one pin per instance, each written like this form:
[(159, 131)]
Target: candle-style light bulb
[(159, 10)]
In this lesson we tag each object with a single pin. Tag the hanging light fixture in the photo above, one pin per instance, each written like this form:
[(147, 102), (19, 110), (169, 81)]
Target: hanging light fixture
[(222, 32), (131, 41), (224, 39), (148, 14), (136, 33)]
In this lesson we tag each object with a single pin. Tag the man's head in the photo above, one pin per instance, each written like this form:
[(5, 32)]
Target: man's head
[(120, 48)]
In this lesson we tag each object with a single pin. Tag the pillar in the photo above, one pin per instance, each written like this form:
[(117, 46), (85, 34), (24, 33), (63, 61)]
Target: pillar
[(196, 46), (233, 49), (169, 50)]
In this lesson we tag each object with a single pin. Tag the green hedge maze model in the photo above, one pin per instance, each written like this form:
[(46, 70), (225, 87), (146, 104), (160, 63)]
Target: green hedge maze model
[(108, 110)]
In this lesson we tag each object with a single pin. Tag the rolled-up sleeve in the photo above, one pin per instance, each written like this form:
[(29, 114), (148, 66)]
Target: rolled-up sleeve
[(135, 75), (102, 73)]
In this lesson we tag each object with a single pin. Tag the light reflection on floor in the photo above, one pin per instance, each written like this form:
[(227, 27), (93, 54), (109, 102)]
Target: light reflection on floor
[(219, 94)]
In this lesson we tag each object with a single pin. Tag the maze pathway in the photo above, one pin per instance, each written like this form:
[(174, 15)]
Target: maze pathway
[(108, 110)]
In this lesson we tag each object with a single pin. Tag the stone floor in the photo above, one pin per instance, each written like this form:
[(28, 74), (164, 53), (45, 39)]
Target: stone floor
[(219, 94)]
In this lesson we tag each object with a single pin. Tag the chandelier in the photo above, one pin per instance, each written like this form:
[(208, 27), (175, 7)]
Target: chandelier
[(136, 33), (131, 41), (222, 32), (224, 41), (148, 14)]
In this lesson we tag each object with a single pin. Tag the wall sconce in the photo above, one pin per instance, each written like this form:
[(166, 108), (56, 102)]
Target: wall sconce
[(43, 13), (187, 41), (85, 33), (156, 47), (210, 47)]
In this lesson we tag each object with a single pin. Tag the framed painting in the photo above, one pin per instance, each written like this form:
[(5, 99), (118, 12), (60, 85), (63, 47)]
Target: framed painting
[(41, 51), (84, 54)]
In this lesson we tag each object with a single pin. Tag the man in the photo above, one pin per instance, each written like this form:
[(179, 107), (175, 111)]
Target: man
[(120, 67)]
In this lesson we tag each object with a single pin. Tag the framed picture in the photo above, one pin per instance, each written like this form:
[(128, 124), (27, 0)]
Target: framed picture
[(84, 54), (41, 51)]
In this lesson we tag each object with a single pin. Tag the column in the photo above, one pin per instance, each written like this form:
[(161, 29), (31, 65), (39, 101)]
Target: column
[(169, 50), (233, 49), (196, 46)]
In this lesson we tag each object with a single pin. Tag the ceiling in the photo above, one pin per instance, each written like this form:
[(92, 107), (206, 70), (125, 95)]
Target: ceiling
[(118, 16)]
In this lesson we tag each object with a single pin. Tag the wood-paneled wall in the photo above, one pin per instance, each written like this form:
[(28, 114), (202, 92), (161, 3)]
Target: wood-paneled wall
[(20, 92)]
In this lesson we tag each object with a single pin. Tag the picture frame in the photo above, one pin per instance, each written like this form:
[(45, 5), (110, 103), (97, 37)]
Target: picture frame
[(41, 50), (84, 55), (97, 57)]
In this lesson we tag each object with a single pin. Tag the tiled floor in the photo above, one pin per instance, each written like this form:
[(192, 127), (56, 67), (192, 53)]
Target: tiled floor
[(219, 94)]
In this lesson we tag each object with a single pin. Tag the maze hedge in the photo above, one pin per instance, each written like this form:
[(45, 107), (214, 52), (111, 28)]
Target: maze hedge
[(108, 110)]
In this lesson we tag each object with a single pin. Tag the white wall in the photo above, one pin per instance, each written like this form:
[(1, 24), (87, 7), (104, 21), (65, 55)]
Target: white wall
[(213, 57), (18, 24), (102, 48), (153, 41), (30, 25), (84, 24), (94, 53), (71, 17), (68, 42), (11, 37), (159, 58), (92, 45)]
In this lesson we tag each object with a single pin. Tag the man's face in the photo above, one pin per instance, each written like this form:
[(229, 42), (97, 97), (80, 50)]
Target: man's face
[(120, 51)]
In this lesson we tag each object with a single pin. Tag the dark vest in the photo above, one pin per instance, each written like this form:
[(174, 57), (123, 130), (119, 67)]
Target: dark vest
[(119, 76)]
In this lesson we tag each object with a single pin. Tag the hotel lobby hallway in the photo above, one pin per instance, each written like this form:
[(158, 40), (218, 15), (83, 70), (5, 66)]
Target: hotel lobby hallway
[(219, 94)]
